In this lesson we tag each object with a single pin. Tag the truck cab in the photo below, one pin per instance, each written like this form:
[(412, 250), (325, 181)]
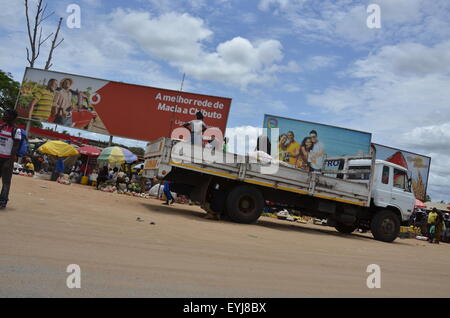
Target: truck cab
[(391, 185)]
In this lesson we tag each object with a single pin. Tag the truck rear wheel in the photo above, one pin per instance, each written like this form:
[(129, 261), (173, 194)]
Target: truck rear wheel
[(346, 229), (244, 204), (385, 226)]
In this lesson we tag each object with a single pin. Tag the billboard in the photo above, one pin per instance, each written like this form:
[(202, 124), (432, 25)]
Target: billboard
[(308, 144), (418, 167), (114, 108)]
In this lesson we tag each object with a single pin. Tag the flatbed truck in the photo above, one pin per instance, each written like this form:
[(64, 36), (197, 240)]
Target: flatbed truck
[(366, 193)]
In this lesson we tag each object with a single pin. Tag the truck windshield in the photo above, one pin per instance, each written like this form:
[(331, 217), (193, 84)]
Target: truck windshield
[(401, 180), (359, 176)]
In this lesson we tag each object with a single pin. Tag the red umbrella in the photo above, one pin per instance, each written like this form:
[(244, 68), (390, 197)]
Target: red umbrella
[(89, 151), (419, 204)]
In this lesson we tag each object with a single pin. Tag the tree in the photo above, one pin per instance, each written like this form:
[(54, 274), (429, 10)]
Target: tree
[(138, 151), (35, 26), (49, 64), (32, 28), (9, 89)]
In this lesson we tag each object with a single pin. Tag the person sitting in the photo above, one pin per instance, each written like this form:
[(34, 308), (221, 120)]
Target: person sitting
[(122, 179), (29, 166), (93, 177), (103, 176)]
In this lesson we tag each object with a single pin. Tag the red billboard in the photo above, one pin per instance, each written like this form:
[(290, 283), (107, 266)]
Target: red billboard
[(114, 108)]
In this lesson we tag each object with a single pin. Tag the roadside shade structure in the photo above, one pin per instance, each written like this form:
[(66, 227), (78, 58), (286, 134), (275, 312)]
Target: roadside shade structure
[(116, 155), (419, 204), (58, 148), (89, 151)]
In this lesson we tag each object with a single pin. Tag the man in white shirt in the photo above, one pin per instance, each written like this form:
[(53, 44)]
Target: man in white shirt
[(63, 100), (317, 154), (9, 146), (197, 127)]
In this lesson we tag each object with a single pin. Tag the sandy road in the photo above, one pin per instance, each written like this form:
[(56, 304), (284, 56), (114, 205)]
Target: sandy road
[(48, 226)]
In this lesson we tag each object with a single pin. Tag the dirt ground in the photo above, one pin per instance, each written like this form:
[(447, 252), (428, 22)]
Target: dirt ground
[(48, 226)]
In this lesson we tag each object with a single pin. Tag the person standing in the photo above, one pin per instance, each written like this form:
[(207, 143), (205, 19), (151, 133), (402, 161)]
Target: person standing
[(197, 127), (63, 100), (292, 148), (317, 154), (42, 106), (167, 193), (432, 216), (225, 144), (60, 169), (305, 149), (102, 176), (263, 144), (439, 224), (10, 137)]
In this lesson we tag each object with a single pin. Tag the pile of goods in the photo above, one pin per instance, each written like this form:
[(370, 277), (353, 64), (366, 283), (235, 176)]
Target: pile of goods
[(284, 215), (64, 179), (410, 232), (23, 173)]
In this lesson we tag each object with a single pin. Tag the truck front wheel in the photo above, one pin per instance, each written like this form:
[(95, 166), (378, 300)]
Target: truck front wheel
[(385, 226), (244, 204)]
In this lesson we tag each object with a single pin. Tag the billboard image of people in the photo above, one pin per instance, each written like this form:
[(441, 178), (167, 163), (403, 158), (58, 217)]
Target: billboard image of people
[(418, 167), (307, 145), (114, 108)]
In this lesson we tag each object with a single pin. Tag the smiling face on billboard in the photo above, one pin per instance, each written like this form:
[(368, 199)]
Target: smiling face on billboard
[(307, 145)]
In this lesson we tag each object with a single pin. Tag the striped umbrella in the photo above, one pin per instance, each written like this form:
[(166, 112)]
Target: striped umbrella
[(116, 155)]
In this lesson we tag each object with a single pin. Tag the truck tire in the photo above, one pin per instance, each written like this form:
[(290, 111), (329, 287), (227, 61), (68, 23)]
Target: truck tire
[(346, 229), (385, 226), (244, 204)]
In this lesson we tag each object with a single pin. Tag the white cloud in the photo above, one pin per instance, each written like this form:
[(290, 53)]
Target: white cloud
[(343, 22), (400, 93), (180, 39), (265, 5), (316, 62)]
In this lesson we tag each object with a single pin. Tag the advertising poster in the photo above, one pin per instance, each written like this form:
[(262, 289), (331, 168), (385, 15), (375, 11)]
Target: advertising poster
[(307, 144), (114, 108), (418, 167)]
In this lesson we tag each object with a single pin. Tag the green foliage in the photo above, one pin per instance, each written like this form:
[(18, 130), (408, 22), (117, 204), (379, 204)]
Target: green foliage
[(138, 151), (9, 89)]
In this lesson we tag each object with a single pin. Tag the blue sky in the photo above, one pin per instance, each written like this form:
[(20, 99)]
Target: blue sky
[(307, 59)]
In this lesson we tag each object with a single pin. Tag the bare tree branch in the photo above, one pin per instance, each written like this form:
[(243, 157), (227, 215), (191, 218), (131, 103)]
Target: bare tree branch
[(48, 64), (35, 41)]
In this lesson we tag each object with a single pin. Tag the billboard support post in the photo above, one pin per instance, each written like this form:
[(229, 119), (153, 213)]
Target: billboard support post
[(27, 129)]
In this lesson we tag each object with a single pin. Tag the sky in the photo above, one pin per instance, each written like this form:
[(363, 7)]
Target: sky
[(305, 59)]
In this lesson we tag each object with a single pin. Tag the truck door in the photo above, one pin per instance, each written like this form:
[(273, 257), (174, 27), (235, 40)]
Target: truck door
[(401, 192), (383, 188)]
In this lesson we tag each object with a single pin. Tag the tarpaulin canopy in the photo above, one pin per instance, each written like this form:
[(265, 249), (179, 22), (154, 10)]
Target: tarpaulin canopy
[(116, 155), (58, 148), (89, 151)]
